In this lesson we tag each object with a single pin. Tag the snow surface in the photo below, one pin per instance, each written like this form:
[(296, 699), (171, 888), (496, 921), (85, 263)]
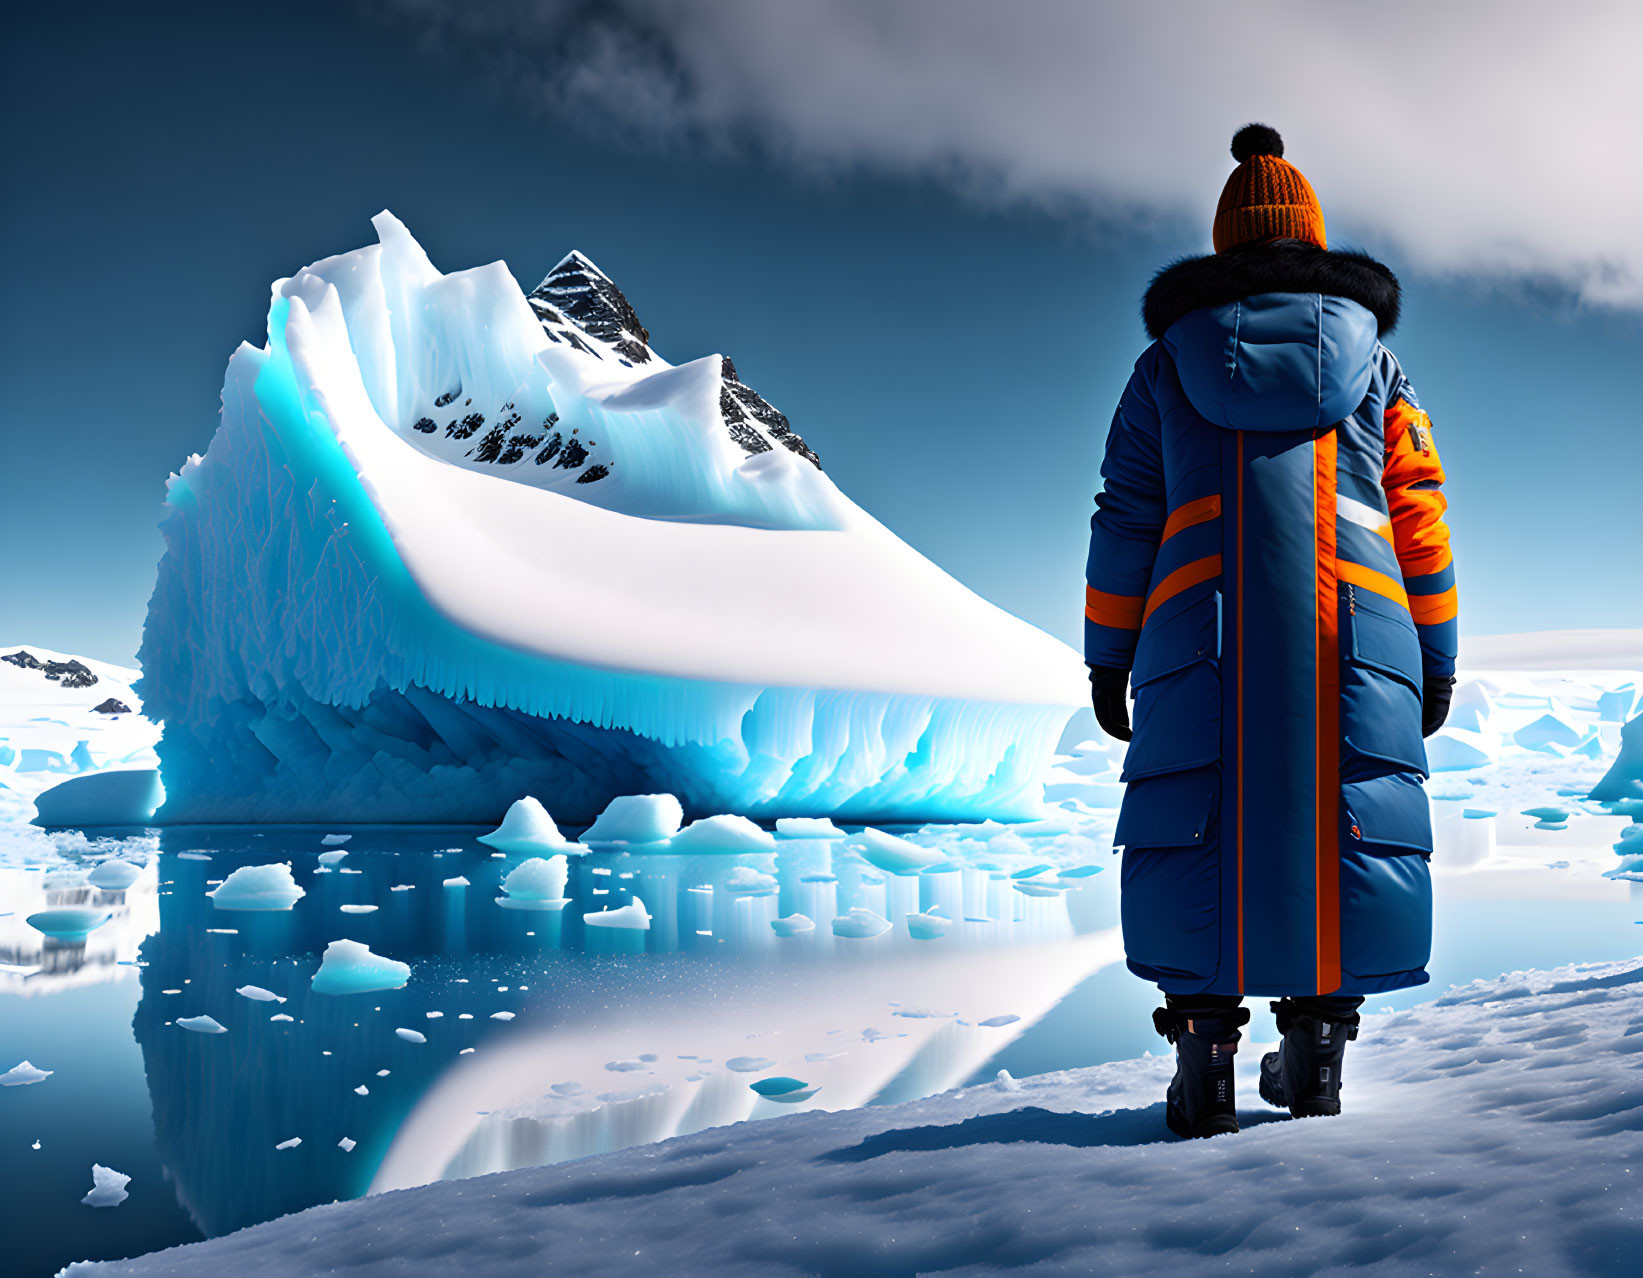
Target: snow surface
[(434, 634), (1494, 1130)]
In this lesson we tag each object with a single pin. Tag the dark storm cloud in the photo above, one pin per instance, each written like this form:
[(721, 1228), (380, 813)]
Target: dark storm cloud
[(1482, 139)]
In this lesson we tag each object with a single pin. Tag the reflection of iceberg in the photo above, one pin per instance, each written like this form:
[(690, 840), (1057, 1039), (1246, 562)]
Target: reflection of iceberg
[(709, 977), (32, 963)]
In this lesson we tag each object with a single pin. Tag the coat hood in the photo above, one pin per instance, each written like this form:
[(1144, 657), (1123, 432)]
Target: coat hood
[(1273, 337)]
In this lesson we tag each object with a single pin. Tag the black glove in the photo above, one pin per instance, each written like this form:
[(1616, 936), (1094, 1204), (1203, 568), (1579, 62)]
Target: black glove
[(1435, 703), (1107, 685)]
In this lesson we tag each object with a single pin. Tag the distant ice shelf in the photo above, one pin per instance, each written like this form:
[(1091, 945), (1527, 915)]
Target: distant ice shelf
[(450, 546)]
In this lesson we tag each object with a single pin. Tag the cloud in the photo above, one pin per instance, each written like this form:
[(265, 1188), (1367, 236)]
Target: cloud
[(1495, 140)]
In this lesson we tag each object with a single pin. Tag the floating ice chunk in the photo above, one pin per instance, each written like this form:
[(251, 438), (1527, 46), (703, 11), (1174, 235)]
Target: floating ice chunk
[(281, 1016), (411, 1035), (1028, 887), (526, 827), (1004, 1082), (890, 852), (258, 887), (1081, 872), (258, 994), (457, 882), (792, 925), (633, 916), (1031, 872), (346, 1144), (200, 1024), (993, 1022), (357, 909), (927, 927), (783, 1090), (625, 1066), (1613, 706), (335, 840), (1548, 730), (333, 856), (68, 923), (502, 1016), (108, 1187), (749, 1064), (289, 1144), (362, 1090), (1591, 747), (434, 1016), (745, 878), (722, 834), (807, 828), (1456, 749), (636, 818), (538, 879), (23, 1074), (114, 876), (1547, 814), (403, 887), (115, 796), (193, 856), (860, 924), (349, 967)]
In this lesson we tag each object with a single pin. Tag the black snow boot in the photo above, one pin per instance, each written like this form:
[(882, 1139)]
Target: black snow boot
[(1304, 1074), (1200, 1101)]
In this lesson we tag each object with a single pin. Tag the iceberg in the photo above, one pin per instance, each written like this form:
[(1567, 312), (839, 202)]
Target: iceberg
[(793, 925), (636, 818), (722, 834), (114, 876), (536, 884), (891, 853), (411, 1035), (784, 1090), (24, 1074), (631, 917), (108, 1187), (860, 924), (201, 1024), (526, 827), (333, 856), (117, 797), (258, 887), (450, 545), (1624, 779), (807, 828), (257, 994), (349, 967), (68, 922)]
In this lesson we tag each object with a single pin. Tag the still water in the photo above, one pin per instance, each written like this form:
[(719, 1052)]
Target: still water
[(544, 1038)]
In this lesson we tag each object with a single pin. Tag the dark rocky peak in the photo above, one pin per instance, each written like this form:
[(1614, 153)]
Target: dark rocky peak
[(111, 706), (24, 659), (71, 674), (578, 292), (739, 402)]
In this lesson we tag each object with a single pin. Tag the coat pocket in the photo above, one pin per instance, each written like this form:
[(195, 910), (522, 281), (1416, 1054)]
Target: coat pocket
[(1170, 894), (1380, 688), (1177, 686), (1385, 881)]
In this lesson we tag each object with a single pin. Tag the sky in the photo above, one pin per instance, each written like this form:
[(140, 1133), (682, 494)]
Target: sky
[(920, 229)]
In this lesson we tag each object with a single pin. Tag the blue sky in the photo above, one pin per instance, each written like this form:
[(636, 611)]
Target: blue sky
[(951, 338)]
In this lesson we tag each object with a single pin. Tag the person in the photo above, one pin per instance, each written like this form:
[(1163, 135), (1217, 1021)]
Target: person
[(1270, 573)]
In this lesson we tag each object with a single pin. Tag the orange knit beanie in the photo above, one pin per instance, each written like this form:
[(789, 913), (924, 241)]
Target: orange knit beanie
[(1266, 198)]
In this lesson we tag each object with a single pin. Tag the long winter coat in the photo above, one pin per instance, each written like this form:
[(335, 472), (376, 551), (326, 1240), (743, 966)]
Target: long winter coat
[(1269, 560)]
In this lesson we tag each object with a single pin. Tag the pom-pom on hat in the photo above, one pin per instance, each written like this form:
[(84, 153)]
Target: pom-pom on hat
[(1266, 198)]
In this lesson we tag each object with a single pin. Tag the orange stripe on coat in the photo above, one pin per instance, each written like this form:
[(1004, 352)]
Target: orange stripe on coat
[(1192, 512), (1327, 721), (1184, 576), (1430, 610), (1122, 612), (1376, 582)]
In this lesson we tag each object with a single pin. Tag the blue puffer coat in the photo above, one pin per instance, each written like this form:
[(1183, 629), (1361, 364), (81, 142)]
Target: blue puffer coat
[(1269, 560)]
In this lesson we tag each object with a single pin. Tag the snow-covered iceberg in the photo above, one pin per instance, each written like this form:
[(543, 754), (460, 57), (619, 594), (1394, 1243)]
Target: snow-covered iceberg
[(451, 545)]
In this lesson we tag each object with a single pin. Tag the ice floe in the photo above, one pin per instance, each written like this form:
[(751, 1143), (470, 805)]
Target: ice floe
[(349, 967), (258, 887)]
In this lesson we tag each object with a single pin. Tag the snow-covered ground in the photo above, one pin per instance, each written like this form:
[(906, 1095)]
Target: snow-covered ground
[(1496, 1130)]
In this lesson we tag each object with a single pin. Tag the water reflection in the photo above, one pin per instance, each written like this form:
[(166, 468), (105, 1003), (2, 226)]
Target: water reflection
[(545, 1038), (33, 964)]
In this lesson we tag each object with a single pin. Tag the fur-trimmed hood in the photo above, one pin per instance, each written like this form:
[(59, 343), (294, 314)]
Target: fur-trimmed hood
[(1278, 266)]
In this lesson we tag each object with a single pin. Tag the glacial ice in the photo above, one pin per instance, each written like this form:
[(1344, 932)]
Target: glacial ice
[(24, 1074), (1548, 730), (108, 1187), (927, 926), (722, 834), (636, 818), (113, 797), (349, 967), (538, 879), (114, 876), (891, 853), (445, 550), (807, 828), (746, 878), (201, 1024), (257, 994), (631, 917), (860, 924), (792, 925), (526, 827), (258, 887), (68, 922)]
